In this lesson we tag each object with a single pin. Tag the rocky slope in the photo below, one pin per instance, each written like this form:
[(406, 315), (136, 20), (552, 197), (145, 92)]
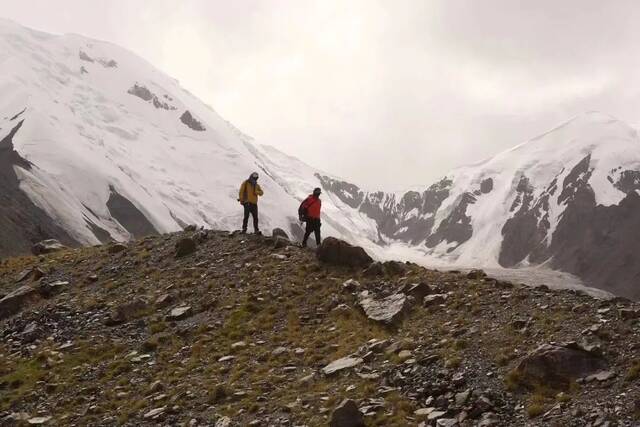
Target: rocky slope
[(213, 328)]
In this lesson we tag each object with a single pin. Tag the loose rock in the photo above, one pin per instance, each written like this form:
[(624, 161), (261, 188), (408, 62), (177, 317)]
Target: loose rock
[(347, 414), (341, 364)]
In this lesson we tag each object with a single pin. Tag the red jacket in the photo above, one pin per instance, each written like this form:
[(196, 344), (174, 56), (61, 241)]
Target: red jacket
[(313, 205)]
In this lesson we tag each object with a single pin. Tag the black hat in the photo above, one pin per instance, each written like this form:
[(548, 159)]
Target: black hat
[(317, 191)]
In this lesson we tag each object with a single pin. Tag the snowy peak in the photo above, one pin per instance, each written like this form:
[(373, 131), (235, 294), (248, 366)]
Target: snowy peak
[(556, 200)]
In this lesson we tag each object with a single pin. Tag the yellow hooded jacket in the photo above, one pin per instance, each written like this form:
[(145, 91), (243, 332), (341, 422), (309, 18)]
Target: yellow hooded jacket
[(249, 192)]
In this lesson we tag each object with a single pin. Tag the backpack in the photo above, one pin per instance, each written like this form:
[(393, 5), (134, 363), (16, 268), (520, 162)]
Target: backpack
[(302, 210)]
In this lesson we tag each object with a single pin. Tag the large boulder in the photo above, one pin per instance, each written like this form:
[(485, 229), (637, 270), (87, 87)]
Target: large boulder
[(185, 246), (13, 303), (338, 252), (279, 232), (557, 365), (386, 310), (47, 247), (347, 414)]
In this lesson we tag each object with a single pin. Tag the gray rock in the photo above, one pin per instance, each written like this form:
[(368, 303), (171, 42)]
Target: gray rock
[(223, 422), (423, 412), (461, 398), (126, 312), (185, 246), (155, 413), (417, 290), (49, 289), (374, 270), (626, 313), (163, 300), (435, 415), (341, 364), (435, 299), (394, 267), (180, 313), (347, 414), (116, 248), (351, 285), (279, 232), (16, 300), (47, 247), (339, 252), (601, 376), (280, 242), (279, 350), (386, 310), (31, 274), (39, 420), (192, 122), (557, 365)]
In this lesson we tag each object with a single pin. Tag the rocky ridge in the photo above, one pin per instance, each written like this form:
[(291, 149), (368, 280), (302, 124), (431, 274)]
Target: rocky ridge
[(215, 328)]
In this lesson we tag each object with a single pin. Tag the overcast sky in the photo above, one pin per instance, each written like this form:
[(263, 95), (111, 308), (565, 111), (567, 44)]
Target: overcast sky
[(385, 93)]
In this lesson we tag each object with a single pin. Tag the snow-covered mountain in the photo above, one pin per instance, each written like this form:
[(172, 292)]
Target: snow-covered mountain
[(97, 144), (108, 147), (567, 199)]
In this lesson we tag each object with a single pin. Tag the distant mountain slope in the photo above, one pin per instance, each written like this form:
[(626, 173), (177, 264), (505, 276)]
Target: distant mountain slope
[(117, 149), (567, 199)]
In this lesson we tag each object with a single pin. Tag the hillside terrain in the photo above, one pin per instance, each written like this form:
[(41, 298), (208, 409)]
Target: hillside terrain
[(209, 327), (98, 145)]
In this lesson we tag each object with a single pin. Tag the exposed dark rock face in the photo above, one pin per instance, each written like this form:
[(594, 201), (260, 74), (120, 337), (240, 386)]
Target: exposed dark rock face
[(524, 234), (108, 63), (590, 241), (128, 215), (456, 227), (599, 243), (409, 219), (18, 115), (191, 122), (348, 194), (486, 186), (629, 181), (85, 57), (146, 95), (22, 223), (101, 234)]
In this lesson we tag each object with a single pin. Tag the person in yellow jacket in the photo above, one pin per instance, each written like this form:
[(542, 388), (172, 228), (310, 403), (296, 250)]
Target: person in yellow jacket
[(249, 193)]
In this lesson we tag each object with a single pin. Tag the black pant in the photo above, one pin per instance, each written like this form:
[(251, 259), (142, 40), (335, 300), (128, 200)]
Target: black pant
[(313, 226), (250, 208)]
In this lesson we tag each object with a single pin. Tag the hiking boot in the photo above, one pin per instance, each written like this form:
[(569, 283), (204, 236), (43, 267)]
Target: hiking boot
[(258, 233)]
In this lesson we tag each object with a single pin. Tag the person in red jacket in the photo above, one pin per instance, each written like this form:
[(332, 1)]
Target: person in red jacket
[(310, 209)]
